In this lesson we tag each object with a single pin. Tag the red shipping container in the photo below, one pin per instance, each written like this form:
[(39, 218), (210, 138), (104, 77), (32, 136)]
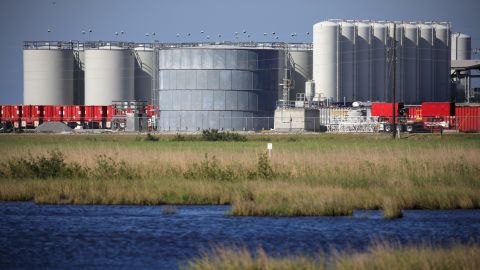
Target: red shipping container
[(1, 113), (468, 118), (434, 109), (385, 109), (109, 113), (52, 113), (93, 113), (73, 113)]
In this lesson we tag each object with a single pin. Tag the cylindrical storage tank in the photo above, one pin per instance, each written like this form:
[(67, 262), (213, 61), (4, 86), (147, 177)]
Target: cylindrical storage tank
[(379, 62), (224, 87), (309, 90), (109, 75), (79, 76), (301, 70), (325, 59), (461, 47), (48, 75), (347, 61), (399, 74), (442, 62), (144, 72), (410, 70), (425, 46), (362, 62)]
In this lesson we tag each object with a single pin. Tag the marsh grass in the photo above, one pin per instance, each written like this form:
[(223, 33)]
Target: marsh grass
[(314, 175), (378, 256), (391, 208)]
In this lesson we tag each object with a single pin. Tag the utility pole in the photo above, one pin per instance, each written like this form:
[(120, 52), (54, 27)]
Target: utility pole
[(394, 128)]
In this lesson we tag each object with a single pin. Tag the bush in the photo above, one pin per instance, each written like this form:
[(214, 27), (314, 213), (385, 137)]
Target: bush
[(264, 168), (51, 165), (151, 138), (209, 169), (214, 135), (182, 138), (108, 168)]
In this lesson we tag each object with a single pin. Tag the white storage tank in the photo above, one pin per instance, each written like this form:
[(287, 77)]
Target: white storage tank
[(410, 42), (145, 69), (442, 62), (109, 75), (425, 48), (347, 61), (362, 60), (48, 75), (301, 70), (79, 75), (461, 47), (379, 62), (325, 59)]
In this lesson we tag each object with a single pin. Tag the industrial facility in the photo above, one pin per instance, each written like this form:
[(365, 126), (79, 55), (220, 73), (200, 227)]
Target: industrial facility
[(349, 66)]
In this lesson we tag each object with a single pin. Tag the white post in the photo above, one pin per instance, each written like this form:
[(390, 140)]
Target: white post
[(269, 147)]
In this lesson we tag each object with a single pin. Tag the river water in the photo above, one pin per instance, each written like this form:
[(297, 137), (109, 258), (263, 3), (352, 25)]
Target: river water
[(99, 236)]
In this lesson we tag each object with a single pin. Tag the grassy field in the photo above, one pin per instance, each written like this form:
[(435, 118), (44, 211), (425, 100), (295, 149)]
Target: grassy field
[(379, 256), (317, 174)]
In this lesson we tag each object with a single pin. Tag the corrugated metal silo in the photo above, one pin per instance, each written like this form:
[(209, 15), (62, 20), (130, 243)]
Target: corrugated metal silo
[(227, 87), (48, 75), (79, 76), (109, 75), (325, 59), (379, 62), (461, 47), (410, 70), (301, 70), (442, 62), (399, 85), (347, 61), (362, 61), (144, 73), (425, 46)]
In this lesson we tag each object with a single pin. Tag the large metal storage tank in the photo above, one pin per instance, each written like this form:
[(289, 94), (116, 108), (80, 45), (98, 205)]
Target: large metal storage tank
[(425, 48), (325, 59), (362, 61), (144, 72), (399, 85), (410, 42), (48, 74), (461, 47), (379, 62), (223, 87), (442, 62), (109, 75), (347, 61), (79, 75), (301, 69)]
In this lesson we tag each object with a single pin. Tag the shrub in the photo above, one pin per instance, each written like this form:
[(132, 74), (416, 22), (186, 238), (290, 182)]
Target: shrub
[(151, 138), (264, 169), (108, 168), (209, 169), (51, 165), (214, 135)]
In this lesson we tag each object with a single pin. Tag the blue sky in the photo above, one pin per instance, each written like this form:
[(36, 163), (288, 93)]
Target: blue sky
[(22, 20)]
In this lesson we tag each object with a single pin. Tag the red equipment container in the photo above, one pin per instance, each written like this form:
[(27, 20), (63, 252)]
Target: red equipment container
[(52, 113), (12, 114), (31, 115), (436, 109), (94, 113), (1, 113), (73, 113), (467, 118), (383, 109)]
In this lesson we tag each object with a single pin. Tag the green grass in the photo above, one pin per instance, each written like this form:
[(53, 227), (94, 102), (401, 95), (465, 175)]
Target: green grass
[(378, 256), (310, 175)]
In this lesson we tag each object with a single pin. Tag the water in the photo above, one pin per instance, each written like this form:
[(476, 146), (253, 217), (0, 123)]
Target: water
[(47, 236)]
